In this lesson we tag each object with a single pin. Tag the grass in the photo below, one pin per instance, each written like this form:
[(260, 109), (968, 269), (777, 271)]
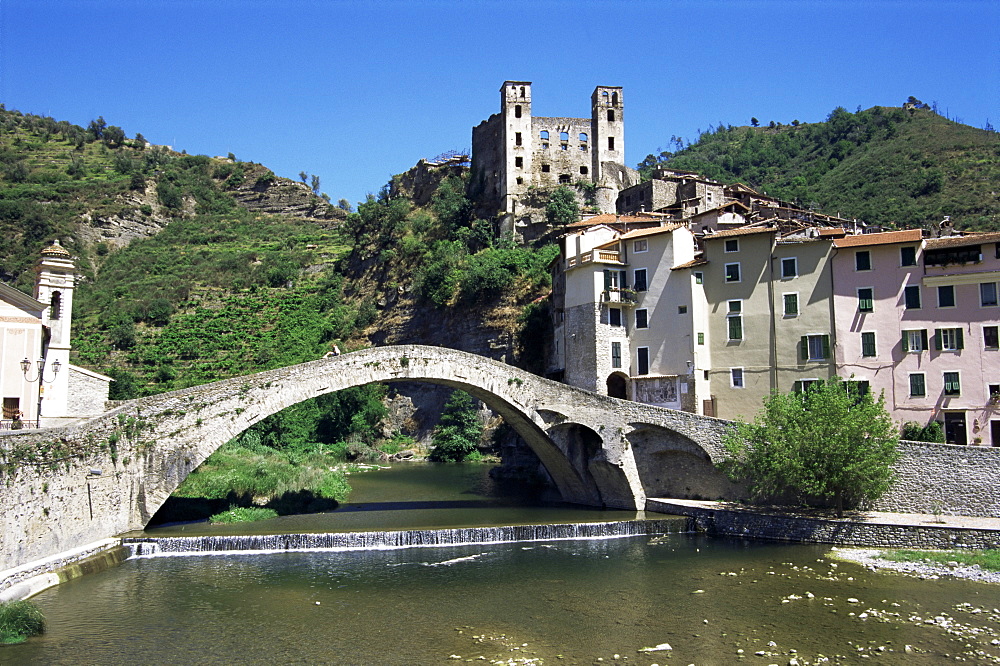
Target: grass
[(244, 514), (986, 559), (18, 621)]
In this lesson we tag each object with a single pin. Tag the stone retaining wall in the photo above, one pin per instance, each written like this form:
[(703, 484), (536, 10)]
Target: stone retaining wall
[(755, 525)]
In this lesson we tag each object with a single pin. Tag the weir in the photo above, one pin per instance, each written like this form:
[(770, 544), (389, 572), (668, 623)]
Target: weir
[(278, 543)]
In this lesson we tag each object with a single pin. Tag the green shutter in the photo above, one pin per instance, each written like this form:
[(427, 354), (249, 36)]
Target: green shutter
[(607, 280), (923, 339), (622, 281), (960, 340), (937, 339), (905, 342), (804, 348), (826, 346)]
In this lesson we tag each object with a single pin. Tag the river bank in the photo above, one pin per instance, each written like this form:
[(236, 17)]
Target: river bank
[(872, 559)]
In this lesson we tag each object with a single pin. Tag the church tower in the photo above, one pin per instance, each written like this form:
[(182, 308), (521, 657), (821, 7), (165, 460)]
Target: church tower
[(54, 284)]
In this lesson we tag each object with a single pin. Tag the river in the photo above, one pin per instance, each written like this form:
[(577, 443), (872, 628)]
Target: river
[(713, 601)]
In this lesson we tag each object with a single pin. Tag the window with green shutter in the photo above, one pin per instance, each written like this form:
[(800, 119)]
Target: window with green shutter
[(917, 387), (866, 299), (952, 386), (911, 297), (868, 343), (791, 305)]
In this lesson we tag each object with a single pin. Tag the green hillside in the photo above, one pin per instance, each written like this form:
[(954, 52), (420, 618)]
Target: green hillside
[(886, 166)]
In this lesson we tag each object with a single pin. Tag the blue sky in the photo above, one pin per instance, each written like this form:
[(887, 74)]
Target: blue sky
[(357, 91)]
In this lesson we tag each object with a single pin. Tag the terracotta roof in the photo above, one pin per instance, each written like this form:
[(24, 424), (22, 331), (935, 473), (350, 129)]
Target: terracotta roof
[(959, 241), (610, 218), (832, 231), (742, 231), (720, 207), (635, 233), (884, 238), (697, 261)]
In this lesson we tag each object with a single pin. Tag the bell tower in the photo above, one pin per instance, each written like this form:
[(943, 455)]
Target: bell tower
[(54, 285), (608, 125), (515, 101)]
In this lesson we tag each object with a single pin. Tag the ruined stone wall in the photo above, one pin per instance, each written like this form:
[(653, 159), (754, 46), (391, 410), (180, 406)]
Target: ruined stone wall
[(488, 157), (566, 161), (583, 337)]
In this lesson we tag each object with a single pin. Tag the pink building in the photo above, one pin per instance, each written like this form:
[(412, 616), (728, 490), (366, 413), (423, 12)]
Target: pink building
[(918, 319)]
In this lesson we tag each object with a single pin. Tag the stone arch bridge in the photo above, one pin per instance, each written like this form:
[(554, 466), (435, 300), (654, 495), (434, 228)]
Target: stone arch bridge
[(109, 475)]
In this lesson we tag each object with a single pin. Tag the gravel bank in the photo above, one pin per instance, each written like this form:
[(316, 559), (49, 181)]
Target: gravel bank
[(869, 558)]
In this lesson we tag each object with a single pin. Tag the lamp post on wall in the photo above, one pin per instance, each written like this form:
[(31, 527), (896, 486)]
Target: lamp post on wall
[(25, 367)]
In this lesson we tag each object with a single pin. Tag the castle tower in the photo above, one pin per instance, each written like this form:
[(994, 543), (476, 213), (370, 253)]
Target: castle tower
[(515, 108), (608, 126), (54, 284)]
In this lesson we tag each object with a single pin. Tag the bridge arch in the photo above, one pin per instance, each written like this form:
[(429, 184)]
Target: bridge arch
[(671, 464), (200, 419)]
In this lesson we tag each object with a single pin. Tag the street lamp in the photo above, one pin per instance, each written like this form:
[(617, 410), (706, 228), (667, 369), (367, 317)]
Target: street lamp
[(26, 367)]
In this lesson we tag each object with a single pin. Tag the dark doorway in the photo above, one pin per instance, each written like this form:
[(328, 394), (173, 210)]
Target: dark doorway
[(995, 433), (617, 387), (954, 428)]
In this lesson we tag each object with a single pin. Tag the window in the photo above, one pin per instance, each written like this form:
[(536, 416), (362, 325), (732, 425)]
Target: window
[(918, 388), (949, 339), (564, 146), (682, 309), (640, 318), (791, 304), (866, 299), (908, 256), (789, 267), (640, 279), (611, 115), (734, 318), (857, 388), (814, 347), (611, 143), (642, 356), (868, 344), (732, 272), (862, 260), (545, 168), (564, 178), (517, 111), (952, 384), (615, 316), (616, 354), (520, 181), (564, 136), (519, 162), (583, 137), (708, 196), (545, 146), (915, 341), (946, 296), (701, 338), (911, 297), (699, 278), (736, 377), (803, 385), (639, 246), (988, 294), (583, 171), (993, 391), (991, 340), (956, 255), (544, 135), (733, 245), (517, 138)]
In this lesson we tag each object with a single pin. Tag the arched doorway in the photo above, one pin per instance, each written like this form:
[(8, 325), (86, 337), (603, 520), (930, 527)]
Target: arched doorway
[(618, 386)]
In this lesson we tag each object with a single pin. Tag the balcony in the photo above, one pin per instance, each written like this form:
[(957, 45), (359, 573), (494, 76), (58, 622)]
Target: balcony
[(619, 296), (601, 256)]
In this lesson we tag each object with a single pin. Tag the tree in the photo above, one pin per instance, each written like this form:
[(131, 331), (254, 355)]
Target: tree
[(754, 122), (824, 443), (113, 136), (562, 208), (344, 204), (96, 128), (315, 184), (459, 430), (303, 176)]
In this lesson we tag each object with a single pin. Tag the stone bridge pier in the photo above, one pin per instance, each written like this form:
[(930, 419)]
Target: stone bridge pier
[(67, 487)]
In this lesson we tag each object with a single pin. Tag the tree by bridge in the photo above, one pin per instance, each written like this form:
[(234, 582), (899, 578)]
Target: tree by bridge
[(459, 431), (825, 443)]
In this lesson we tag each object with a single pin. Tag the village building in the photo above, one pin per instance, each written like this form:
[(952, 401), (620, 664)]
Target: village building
[(40, 387), (518, 158), (918, 321)]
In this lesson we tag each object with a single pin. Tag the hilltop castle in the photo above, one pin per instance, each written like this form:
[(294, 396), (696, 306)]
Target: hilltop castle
[(514, 153)]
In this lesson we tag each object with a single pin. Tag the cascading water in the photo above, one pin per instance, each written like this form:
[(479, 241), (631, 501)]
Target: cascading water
[(274, 543)]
